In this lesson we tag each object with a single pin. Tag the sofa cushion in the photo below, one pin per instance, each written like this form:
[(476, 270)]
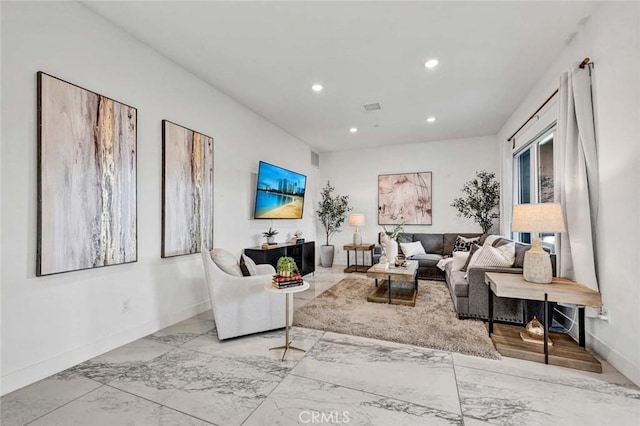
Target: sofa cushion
[(471, 258), (502, 256), (459, 260), (226, 261), (521, 249), (464, 244), (427, 259), (449, 240), (459, 283), (432, 243), (412, 249)]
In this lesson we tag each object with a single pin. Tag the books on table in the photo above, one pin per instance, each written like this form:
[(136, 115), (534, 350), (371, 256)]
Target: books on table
[(280, 281)]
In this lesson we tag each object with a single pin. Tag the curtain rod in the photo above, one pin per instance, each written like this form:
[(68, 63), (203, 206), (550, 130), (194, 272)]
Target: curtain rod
[(586, 61), (533, 115)]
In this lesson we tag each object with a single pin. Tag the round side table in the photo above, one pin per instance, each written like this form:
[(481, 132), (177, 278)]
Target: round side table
[(287, 291)]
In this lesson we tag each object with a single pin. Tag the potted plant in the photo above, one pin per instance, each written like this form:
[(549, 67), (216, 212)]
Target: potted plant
[(269, 235), (286, 266), (482, 198), (332, 211)]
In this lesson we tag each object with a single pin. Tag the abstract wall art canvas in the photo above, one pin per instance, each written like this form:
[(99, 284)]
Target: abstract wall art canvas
[(187, 190), (87, 206), (404, 198)]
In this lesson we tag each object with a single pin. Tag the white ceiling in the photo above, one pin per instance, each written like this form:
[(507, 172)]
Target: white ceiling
[(266, 55)]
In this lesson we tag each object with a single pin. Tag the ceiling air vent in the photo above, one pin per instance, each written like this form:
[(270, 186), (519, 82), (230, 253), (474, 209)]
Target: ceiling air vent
[(372, 107)]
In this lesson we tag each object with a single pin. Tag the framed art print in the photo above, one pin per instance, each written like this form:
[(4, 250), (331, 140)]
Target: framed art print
[(187, 190), (87, 205), (404, 198)]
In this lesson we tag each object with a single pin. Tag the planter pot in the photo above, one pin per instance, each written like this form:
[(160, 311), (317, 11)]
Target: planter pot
[(326, 256), (271, 240)]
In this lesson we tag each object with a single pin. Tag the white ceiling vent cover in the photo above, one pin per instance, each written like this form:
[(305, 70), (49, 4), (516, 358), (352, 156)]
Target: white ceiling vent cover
[(372, 107)]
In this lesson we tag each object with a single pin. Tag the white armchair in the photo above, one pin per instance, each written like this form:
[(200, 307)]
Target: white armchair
[(241, 305)]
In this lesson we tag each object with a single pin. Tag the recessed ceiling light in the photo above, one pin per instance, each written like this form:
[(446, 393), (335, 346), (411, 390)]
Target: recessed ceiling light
[(431, 119), (431, 63), (353, 130), (317, 87)]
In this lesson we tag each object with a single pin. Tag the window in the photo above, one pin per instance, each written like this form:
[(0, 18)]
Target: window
[(533, 178)]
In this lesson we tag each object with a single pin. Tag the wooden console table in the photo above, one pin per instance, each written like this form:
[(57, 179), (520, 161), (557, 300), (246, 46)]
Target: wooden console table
[(362, 248), (564, 352)]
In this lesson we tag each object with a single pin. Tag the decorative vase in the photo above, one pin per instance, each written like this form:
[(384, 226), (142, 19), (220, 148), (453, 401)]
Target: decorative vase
[(390, 249), (326, 256)]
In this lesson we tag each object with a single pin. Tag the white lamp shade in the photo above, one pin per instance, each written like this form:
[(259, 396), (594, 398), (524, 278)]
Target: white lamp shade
[(356, 219), (543, 217)]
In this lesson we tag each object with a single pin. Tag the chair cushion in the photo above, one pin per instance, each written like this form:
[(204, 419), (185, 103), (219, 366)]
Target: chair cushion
[(472, 257), (459, 283), (459, 260), (226, 261), (248, 266)]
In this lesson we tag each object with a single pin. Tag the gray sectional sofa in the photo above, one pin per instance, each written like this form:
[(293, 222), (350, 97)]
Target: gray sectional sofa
[(469, 295)]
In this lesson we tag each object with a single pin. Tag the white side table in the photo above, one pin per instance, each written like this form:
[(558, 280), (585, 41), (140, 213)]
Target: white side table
[(287, 292)]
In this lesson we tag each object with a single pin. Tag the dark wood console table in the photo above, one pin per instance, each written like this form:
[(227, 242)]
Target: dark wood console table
[(304, 254)]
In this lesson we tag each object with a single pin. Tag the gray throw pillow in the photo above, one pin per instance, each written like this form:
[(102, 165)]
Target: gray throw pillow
[(474, 249)]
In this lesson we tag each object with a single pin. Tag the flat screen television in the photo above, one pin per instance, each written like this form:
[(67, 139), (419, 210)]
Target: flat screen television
[(279, 193)]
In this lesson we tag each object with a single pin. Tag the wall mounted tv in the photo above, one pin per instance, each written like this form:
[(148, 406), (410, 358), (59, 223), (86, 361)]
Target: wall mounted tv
[(279, 193)]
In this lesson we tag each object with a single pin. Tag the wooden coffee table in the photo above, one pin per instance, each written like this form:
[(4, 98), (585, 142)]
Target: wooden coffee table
[(392, 290)]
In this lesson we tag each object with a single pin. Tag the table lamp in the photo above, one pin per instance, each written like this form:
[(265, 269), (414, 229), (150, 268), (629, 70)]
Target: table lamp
[(544, 217), (357, 220)]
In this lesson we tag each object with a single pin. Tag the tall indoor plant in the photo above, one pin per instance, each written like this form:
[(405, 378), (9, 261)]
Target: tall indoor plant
[(482, 196), (332, 211)]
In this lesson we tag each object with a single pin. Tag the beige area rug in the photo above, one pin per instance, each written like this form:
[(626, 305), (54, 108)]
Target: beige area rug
[(432, 323)]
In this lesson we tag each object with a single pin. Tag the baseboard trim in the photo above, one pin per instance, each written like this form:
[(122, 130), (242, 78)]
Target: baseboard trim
[(43, 369), (617, 360)]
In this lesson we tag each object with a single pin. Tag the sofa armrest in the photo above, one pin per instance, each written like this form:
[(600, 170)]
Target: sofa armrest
[(511, 310)]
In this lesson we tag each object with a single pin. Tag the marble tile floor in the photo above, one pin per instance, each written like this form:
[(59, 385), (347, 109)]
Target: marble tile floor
[(183, 375)]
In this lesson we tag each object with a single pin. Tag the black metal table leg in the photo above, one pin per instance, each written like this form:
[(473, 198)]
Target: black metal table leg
[(581, 337), (546, 329), (389, 288), (490, 302), (348, 261)]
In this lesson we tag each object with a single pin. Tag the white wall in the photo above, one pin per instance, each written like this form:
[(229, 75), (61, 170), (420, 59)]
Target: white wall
[(611, 39), (452, 163), (51, 323)]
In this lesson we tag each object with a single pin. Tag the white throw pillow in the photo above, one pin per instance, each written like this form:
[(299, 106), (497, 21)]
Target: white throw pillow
[(411, 249), (226, 262), (459, 259), (502, 256), (491, 239)]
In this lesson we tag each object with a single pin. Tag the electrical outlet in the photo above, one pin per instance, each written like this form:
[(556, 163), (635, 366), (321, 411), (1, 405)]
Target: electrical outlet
[(126, 306)]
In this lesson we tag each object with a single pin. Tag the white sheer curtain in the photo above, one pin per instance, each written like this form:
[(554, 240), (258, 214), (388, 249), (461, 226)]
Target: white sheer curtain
[(577, 186)]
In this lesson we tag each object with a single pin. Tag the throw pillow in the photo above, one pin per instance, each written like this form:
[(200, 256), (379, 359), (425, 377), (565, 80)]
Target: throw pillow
[(473, 254), (411, 249), (226, 262), (459, 260), (464, 244), (247, 266), (491, 240), (502, 256)]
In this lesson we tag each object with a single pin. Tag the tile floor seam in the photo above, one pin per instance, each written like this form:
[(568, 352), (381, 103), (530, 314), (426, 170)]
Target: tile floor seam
[(161, 405), (67, 403), (542, 380), (375, 394), (455, 378)]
